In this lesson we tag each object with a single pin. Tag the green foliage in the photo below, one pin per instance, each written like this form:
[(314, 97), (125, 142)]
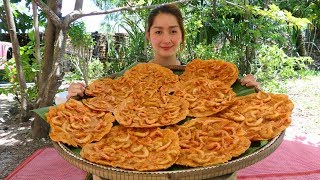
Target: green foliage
[(247, 33), (23, 20), (254, 147), (273, 67), (96, 69), (78, 36), (86, 67), (204, 51), (242, 90), (124, 50), (211, 51), (3, 76), (29, 67), (283, 16), (136, 39), (70, 77), (13, 88), (308, 72), (237, 31), (306, 9)]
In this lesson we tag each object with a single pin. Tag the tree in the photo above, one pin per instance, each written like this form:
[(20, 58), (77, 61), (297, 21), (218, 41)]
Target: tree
[(22, 20), (16, 51), (82, 44), (36, 35), (303, 37), (55, 41)]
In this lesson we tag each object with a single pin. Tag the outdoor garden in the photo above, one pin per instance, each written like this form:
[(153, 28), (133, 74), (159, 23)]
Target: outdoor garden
[(276, 41)]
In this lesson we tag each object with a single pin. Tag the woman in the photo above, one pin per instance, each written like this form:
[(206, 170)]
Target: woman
[(166, 34)]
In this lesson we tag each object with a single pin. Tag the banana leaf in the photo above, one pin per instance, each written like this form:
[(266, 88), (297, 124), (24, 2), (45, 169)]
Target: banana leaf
[(254, 147), (242, 90), (42, 112)]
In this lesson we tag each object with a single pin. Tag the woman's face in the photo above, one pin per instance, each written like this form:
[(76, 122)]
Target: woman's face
[(165, 35)]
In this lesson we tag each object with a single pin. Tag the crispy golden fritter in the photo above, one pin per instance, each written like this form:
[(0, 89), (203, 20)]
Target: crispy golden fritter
[(151, 109), (209, 141), (100, 87), (75, 124), (105, 103), (262, 115), (146, 77), (151, 75), (211, 69), (147, 149), (206, 97)]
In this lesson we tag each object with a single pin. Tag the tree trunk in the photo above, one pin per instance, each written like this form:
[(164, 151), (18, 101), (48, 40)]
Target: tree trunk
[(249, 58), (300, 43), (48, 82), (266, 4), (16, 52), (249, 47), (78, 5), (37, 38), (214, 8)]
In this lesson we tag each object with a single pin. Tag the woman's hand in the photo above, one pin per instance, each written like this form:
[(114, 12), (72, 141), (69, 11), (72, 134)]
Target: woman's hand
[(76, 89), (250, 81)]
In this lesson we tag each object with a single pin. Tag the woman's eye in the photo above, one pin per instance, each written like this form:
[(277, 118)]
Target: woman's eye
[(174, 31), (158, 32)]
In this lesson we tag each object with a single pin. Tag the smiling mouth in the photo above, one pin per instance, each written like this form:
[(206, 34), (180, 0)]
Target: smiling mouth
[(166, 48)]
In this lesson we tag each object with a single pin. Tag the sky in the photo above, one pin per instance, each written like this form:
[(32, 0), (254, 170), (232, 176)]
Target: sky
[(92, 22)]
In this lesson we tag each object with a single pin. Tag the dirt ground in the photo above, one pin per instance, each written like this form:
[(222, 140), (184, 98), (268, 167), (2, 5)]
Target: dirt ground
[(16, 143), (305, 93)]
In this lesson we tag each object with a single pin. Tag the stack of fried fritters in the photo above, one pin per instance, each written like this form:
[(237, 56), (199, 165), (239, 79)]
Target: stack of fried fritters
[(149, 101), (75, 124)]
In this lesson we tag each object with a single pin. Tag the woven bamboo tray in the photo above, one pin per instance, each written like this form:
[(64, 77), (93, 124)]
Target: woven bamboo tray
[(192, 173)]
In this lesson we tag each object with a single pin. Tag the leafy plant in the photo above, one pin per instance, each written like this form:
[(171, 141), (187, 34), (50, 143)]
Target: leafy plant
[(213, 51), (82, 45), (136, 39), (95, 69), (125, 49), (273, 67), (30, 69), (239, 32)]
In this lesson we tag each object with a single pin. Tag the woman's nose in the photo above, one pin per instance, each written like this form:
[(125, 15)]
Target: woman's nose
[(166, 38)]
